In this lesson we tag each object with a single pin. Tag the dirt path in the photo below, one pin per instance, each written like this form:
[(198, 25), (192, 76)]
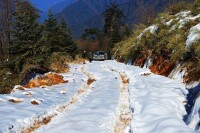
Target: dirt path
[(45, 118)]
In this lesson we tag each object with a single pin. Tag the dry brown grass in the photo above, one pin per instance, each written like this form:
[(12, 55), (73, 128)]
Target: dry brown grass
[(78, 59), (58, 67), (58, 62)]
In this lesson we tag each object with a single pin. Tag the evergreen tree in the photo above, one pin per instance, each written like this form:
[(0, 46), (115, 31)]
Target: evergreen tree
[(50, 38), (6, 11), (26, 32), (112, 19), (66, 42), (56, 37), (91, 34)]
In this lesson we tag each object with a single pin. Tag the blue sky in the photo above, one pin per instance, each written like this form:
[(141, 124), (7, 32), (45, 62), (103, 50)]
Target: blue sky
[(44, 5)]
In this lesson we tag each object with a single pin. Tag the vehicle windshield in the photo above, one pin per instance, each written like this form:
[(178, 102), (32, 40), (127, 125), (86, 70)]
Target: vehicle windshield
[(101, 53)]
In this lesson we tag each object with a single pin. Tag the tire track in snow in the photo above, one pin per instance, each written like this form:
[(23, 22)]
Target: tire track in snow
[(46, 118), (122, 123), (124, 113)]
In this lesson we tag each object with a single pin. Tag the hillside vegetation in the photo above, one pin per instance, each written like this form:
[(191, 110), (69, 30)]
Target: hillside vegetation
[(172, 40), (28, 48)]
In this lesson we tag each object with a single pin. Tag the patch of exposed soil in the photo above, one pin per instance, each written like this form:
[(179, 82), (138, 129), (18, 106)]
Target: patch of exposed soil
[(34, 102), (162, 66), (90, 81), (46, 80)]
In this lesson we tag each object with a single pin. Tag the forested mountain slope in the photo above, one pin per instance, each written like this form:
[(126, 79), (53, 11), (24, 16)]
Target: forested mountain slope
[(88, 13)]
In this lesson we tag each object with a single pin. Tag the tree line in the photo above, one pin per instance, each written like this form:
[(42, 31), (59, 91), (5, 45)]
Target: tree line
[(113, 31), (27, 46), (23, 40), (117, 26)]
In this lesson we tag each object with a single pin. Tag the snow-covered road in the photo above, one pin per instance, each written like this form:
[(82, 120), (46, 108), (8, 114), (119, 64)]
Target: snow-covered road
[(121, 99), (95, 110)]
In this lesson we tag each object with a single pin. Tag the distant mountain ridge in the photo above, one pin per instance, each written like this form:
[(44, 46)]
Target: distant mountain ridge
[(62, 5), (88, 13), (84, 9), (45, 5), (54, 5)]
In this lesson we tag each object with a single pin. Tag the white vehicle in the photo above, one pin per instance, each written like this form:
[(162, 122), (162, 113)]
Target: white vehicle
[(100, 55)]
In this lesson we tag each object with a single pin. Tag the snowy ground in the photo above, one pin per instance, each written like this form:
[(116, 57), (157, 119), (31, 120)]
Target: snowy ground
[(121, 99)]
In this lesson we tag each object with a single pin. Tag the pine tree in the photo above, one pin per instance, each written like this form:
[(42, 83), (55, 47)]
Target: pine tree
[(66, 42), (26, 32), (50, 38), (116, 37), (112, 19), (6, 11), (57, 37)]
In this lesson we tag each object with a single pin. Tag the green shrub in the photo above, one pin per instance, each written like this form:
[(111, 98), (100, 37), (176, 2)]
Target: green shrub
[(176, 8), (124, 48), (167, 43), (195, 50), (7, 80), (190, 24), (163, 16), (195, 7)]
